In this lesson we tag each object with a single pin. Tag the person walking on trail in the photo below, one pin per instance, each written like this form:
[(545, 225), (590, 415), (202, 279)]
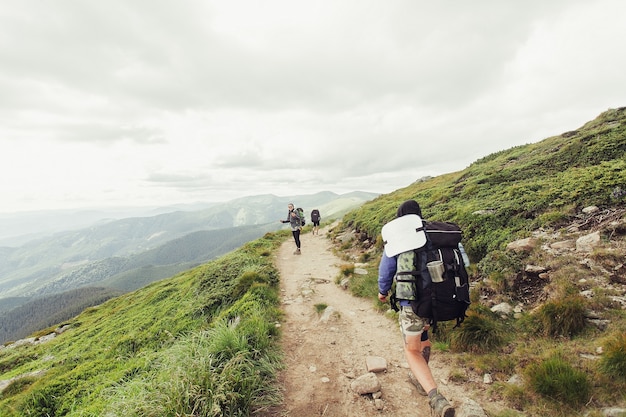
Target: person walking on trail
[(414, 329), (293, 218), (315, 219)]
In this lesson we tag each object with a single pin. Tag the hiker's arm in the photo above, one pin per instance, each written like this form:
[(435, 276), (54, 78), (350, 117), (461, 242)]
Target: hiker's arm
[(289, 214), (386, 272)]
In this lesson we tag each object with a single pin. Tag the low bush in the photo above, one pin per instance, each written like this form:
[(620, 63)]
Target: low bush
[(564, 317), (479, 333), (556, 379), (613, 361)]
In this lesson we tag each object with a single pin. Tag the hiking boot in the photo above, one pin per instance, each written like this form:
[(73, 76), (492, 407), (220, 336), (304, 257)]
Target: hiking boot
[(414, 381), (297, 252), (441, 407)]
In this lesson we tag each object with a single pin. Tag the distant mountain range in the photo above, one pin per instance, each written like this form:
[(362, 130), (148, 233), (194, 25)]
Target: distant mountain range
[(111, 256)]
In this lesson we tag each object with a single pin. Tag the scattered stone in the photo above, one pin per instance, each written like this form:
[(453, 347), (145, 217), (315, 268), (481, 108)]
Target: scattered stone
[(325, 379), (360, 271), (523, 245), (379, 404), (600, 324), (613, 412), (535, 269), (375, 364), (564, 245), (590, 314), (327, 314), (590, 209), (484, 212), (515, 380), (470, 408), (46, 338), (62, 329), (487, 379), (502, 309), (366, 384), (23, 342), (589, 357), (587, 293), (588, 242)]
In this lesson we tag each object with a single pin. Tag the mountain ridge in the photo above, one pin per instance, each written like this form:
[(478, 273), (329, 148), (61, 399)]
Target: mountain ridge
[(129, 253)]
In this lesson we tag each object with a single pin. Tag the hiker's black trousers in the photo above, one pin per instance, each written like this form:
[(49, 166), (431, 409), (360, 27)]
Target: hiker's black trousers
[(296, 237)]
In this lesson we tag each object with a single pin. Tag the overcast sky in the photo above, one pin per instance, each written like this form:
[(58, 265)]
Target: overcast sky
[(151, 102)]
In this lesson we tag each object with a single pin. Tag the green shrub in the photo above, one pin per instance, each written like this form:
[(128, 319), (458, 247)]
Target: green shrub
[(558, 380), (319, 308), (563, 317), (347, 269), (479, 333), (613, 361)]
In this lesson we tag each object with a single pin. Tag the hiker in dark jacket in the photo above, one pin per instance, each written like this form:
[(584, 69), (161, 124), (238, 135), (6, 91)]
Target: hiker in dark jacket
[(293, 218), (315, 219), (414, 328)]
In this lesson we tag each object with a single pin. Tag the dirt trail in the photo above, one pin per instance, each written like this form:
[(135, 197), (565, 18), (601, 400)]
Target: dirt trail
[(323, 357)]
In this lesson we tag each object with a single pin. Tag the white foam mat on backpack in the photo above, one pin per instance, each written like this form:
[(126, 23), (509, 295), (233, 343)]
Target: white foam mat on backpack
[(403, 234)]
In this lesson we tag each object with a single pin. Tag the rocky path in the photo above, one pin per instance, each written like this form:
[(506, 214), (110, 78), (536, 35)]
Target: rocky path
[(326, 352)]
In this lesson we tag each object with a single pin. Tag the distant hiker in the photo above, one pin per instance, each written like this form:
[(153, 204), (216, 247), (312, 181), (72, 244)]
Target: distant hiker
[(315, 219), (293, 218), (414, 328)]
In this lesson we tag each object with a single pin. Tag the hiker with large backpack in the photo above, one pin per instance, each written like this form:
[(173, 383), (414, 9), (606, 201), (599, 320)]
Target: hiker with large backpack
[(295, 220), (424, 263), (315, 219)]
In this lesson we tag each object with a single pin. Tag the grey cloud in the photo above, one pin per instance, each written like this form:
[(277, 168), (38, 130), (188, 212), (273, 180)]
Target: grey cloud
[(169, 57)]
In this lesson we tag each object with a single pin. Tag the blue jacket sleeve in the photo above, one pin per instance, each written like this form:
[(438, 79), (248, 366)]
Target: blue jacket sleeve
[(386, 272)]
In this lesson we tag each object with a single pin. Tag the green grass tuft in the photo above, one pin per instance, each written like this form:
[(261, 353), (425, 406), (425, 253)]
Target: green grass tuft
[(556, 379)]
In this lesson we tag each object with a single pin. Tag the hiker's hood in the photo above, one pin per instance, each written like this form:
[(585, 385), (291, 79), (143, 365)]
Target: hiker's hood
[(409, 207)]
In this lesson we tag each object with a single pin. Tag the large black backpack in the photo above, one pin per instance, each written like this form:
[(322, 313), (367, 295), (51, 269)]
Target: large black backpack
[(447, 296), (315, 215)]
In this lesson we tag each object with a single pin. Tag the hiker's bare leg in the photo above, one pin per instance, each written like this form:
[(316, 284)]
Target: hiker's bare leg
[(417, 363), (426, 345)]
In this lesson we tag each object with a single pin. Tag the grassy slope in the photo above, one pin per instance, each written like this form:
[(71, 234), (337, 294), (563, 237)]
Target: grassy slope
[(506, 196), (120, 357), (526, 187)]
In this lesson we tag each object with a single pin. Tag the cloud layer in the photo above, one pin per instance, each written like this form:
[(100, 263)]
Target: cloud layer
[(156, 102)]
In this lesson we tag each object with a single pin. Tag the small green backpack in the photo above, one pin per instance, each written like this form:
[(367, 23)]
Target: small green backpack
[(301, 215)]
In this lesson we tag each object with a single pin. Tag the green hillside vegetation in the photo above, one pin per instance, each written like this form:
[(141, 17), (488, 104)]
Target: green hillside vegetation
[(45, 312), (532, 190), (119, 275), (204, 342), (521, 189), (200, 343)]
